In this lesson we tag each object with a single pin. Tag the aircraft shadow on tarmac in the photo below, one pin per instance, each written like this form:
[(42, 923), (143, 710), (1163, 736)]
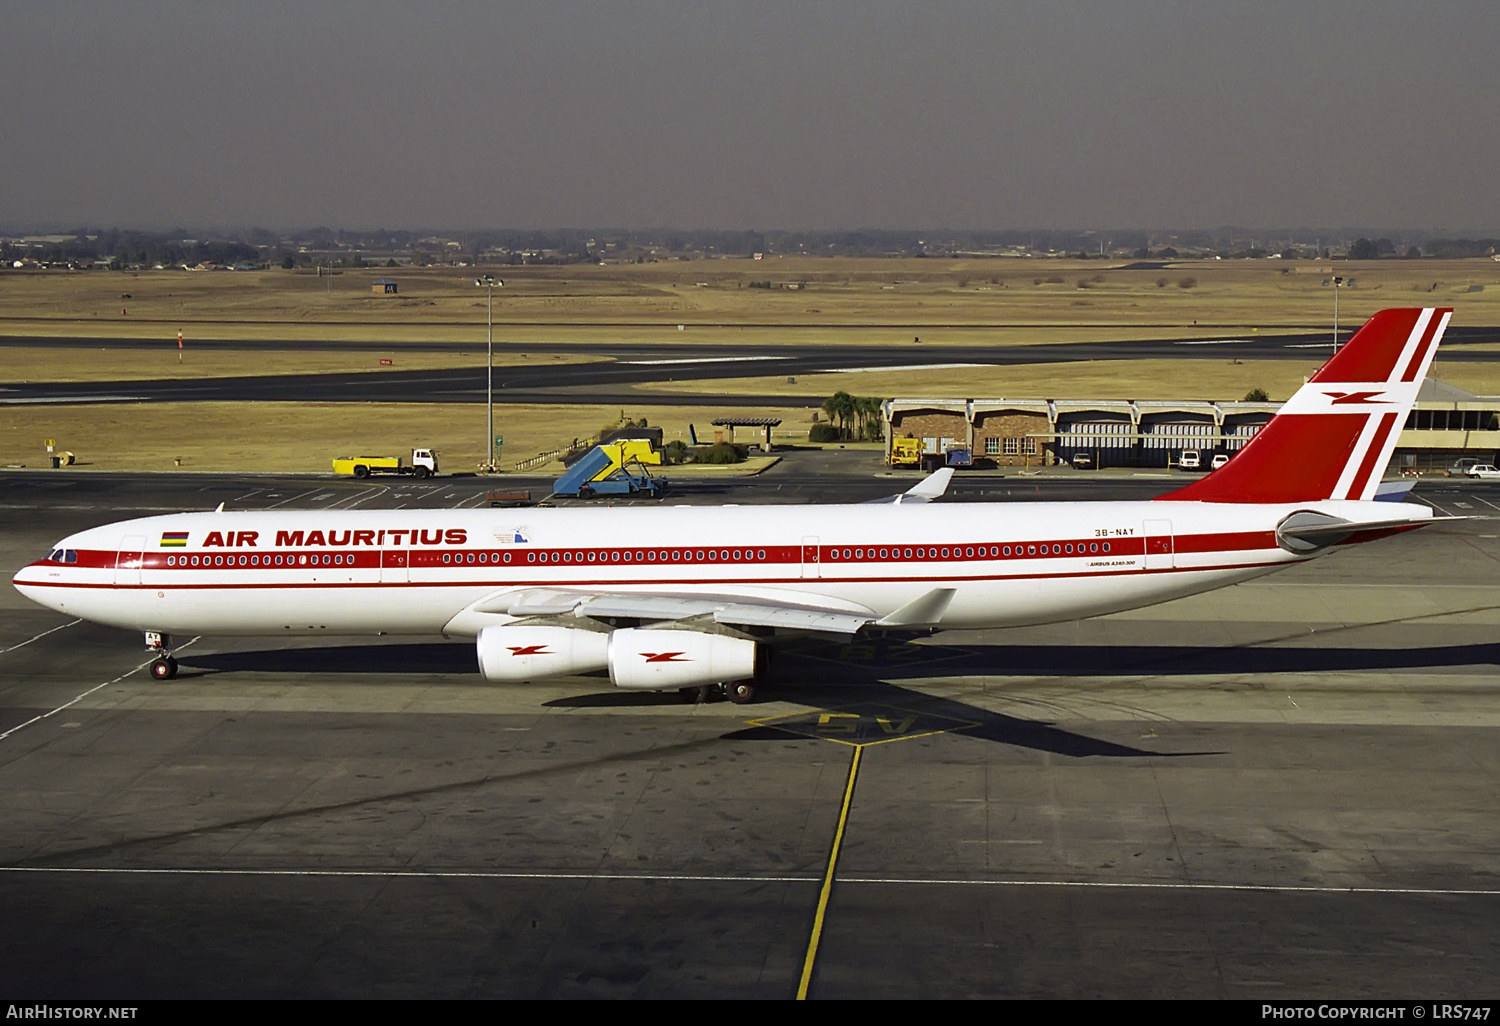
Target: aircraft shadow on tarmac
[(870, 675), (806, 662)]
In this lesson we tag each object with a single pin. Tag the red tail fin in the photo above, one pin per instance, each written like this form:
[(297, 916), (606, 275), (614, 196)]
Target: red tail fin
[(1333, 439)]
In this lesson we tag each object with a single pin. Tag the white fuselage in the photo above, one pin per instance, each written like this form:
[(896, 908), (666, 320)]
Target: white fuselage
[(426, 571)]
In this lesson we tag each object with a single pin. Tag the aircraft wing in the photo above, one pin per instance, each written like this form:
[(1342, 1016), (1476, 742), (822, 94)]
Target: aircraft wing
[(802, 613)]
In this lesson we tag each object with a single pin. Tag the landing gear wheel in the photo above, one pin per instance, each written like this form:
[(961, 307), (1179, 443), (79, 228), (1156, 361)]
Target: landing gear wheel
[(741, 692), (164, 668)]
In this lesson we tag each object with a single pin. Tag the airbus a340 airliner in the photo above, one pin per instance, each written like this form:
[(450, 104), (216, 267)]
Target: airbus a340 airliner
[(689, 597)]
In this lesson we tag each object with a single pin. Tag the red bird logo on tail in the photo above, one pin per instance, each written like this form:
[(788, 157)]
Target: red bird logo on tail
[(1355, 398)]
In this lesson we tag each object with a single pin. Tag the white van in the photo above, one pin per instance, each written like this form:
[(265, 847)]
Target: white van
[(1189, 460)]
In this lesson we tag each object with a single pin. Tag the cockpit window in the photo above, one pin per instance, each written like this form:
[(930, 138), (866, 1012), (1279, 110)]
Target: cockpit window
[(55, 556), (70, 556)]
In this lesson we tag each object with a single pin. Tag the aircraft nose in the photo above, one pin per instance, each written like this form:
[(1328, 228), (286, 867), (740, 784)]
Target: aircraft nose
[(30, 579)]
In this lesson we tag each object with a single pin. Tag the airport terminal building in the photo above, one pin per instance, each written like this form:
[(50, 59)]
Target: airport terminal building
[(1446, 424)]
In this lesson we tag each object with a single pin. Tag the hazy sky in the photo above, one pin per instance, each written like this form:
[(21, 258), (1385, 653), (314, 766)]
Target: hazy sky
[(765, 114)]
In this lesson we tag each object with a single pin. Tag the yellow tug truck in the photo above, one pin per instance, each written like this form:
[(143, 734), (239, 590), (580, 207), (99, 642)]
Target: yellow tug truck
[(423, 463)]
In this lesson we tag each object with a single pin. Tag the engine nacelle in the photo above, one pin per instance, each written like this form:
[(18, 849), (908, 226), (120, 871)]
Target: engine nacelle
[(519, 653), (658, 660)]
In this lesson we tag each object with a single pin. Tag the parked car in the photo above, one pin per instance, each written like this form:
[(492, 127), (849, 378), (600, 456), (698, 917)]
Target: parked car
[(1484, 471), (1083, 461), (1189, 460), (1219, 461)]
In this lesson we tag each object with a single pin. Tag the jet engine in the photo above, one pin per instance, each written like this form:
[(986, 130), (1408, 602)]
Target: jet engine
[(653, 660), (520, 653)]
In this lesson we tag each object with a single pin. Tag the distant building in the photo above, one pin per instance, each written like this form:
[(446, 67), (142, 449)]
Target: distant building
[(383, 287), (1447, 423)]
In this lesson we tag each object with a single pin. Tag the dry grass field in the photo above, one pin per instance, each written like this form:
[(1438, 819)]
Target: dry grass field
[(834, 300), (1089, 379), (306, 437), (811, 302)]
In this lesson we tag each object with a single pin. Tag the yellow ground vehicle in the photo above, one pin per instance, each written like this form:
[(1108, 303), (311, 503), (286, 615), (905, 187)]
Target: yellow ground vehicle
[(423, 462), (906, 452), (629, 450)]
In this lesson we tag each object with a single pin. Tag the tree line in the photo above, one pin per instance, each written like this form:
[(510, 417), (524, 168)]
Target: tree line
[(855, 418)]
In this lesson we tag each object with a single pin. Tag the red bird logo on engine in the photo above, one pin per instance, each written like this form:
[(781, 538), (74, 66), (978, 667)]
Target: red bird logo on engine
[(665, 657), (525, 650)]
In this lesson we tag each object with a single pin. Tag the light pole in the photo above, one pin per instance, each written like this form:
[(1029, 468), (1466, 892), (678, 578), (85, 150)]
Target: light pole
[(488, 283), (1337, 281)]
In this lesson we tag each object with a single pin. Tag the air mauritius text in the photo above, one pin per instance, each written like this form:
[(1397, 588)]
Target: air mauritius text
[(301, 539)]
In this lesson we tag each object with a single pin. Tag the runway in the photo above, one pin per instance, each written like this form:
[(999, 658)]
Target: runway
[(614, 378), (1280, 791)]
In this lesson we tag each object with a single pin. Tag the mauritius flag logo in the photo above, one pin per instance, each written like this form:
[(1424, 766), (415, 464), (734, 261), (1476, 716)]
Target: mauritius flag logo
[(174, 539)]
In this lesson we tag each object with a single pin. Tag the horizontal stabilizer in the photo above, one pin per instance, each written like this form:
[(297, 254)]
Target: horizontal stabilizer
[(1308, 531)]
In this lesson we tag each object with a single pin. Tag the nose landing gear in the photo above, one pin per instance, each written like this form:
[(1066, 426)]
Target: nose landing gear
[(165, 667)]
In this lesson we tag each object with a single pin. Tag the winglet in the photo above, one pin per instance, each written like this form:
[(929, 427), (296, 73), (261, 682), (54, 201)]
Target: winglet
[(931, 487)]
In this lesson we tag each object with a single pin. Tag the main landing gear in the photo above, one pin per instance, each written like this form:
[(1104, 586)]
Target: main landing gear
[(740, 692), (165, 667)]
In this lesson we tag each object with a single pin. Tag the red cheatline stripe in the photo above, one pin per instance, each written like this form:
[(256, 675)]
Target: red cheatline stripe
[(830, 558), (1372, 455), (1427, 336), (564, 583)]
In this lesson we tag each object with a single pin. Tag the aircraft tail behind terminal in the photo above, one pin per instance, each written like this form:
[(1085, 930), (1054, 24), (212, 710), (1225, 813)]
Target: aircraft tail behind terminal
[(1333, 439)]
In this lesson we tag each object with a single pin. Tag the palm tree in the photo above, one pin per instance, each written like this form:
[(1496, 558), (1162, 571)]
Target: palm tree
[(840, 405)]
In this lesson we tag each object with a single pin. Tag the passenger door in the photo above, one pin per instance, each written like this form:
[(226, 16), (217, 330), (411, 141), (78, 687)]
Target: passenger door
[(810, 564), (1159, 544), (394, 567), (128, 562)]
